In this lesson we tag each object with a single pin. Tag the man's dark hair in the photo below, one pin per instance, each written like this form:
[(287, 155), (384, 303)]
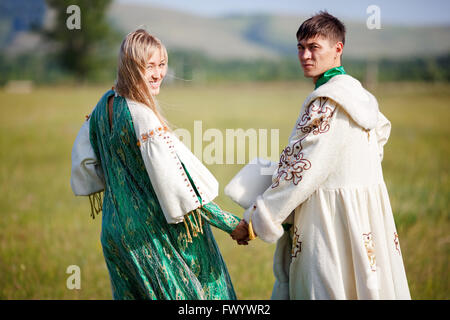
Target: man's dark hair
[(323, 24)]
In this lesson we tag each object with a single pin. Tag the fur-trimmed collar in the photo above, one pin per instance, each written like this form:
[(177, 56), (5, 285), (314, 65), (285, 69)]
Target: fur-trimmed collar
[(348, 92)]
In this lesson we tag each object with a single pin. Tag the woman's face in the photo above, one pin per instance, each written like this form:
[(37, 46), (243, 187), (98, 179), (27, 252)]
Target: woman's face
[(155, 72)]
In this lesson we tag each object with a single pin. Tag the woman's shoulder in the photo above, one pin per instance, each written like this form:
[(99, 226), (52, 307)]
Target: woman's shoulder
[(101, 103), (143, 117)]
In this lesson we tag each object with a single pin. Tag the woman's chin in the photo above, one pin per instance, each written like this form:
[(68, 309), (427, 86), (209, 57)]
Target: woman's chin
[(154, 91)]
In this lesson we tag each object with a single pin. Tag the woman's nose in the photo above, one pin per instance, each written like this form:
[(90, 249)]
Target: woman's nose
[(156, 74)]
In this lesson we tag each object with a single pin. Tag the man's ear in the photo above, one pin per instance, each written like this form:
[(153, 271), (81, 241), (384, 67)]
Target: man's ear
[(339, 49)]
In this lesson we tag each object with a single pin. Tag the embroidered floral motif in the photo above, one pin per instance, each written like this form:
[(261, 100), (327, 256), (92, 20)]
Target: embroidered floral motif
[(292, 161), (152, 133), (368, 243), (296, 244), (318, 116), (292, 164), (397, 244)]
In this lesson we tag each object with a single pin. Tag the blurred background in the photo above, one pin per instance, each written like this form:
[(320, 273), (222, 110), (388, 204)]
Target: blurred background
[(232, 64)]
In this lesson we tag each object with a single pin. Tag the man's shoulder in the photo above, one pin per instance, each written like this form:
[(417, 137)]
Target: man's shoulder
[(350, 95)]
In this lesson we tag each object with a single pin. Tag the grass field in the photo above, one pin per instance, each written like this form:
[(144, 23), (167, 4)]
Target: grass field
[(44, 228)]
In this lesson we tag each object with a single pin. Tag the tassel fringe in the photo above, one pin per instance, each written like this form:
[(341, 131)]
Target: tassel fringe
[(96, 202), (194, 223)]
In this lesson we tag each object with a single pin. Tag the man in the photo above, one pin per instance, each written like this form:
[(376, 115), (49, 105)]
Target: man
[(328, 206)]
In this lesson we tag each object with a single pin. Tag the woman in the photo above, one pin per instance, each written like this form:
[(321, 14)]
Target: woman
[(157, 207)]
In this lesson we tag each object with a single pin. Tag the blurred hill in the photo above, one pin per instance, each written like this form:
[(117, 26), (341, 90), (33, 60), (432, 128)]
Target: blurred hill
[(249, 36), (264, 36), (223, 48)]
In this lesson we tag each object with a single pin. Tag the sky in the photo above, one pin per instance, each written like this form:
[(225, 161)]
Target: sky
[(401, 12)]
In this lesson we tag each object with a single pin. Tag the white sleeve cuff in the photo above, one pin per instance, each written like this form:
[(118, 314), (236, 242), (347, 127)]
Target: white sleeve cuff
[(262, 222)]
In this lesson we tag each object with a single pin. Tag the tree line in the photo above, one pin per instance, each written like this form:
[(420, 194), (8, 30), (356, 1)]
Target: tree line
[(90, 55)]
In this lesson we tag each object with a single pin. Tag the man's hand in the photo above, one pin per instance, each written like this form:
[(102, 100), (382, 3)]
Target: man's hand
[(240, 233)]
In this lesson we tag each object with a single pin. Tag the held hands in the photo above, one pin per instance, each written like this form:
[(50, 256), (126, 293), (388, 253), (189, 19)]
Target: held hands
[(240, 233)]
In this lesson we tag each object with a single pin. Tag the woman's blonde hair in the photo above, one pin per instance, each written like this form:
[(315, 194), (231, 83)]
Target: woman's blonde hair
[(135, 52)]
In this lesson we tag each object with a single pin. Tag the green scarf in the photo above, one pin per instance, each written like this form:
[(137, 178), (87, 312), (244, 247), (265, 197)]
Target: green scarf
[(328, 75)]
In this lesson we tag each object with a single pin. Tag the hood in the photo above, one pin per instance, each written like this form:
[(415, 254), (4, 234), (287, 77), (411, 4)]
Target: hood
[(348, 92)]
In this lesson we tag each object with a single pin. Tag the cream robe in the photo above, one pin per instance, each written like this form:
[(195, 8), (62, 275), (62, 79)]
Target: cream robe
[(343, 243)]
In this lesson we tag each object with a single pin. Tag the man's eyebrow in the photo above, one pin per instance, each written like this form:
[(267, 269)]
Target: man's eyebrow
[(309, 44)]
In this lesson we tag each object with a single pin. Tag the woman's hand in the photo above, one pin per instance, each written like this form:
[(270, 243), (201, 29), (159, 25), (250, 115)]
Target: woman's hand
[(240, 233)]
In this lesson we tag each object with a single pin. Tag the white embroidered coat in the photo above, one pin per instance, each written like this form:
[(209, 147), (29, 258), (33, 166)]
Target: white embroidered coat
[(343, 243)]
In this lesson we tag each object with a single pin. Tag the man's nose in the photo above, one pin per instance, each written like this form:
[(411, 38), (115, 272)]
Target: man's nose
[(304, 54)]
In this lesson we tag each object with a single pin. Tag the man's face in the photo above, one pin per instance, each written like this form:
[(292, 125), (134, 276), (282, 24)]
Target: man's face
[(317, 55)]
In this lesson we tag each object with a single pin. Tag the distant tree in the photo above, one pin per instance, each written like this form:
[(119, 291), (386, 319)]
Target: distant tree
[(84, 51)]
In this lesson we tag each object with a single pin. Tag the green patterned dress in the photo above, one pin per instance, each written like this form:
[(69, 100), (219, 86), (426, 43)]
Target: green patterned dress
[(147, 258)]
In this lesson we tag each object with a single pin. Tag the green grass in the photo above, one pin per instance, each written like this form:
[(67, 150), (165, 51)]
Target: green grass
[(44, 228)]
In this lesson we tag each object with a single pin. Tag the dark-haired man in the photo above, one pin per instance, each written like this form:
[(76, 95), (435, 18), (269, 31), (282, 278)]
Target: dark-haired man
[(328, 206)]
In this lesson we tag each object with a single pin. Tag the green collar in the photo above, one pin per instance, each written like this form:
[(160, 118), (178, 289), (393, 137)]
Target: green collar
[(328, 75)]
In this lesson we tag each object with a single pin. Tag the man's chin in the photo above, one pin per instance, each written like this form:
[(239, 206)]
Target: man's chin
[(307, 74)]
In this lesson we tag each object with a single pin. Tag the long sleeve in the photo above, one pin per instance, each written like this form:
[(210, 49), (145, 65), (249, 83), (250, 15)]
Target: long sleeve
[(169, 180), (213, 214), (304, 165), (219, 218)]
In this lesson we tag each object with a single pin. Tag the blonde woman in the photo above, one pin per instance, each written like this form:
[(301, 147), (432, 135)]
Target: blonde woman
[(157, 207)]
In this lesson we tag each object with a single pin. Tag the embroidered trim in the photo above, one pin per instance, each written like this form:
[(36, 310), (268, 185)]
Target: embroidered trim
[(370, 248), (292, 163), (296, 244), (157, 132), (397, 244)]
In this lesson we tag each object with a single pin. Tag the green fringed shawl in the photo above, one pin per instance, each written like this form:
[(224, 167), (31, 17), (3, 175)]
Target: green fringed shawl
[(146, 257)]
